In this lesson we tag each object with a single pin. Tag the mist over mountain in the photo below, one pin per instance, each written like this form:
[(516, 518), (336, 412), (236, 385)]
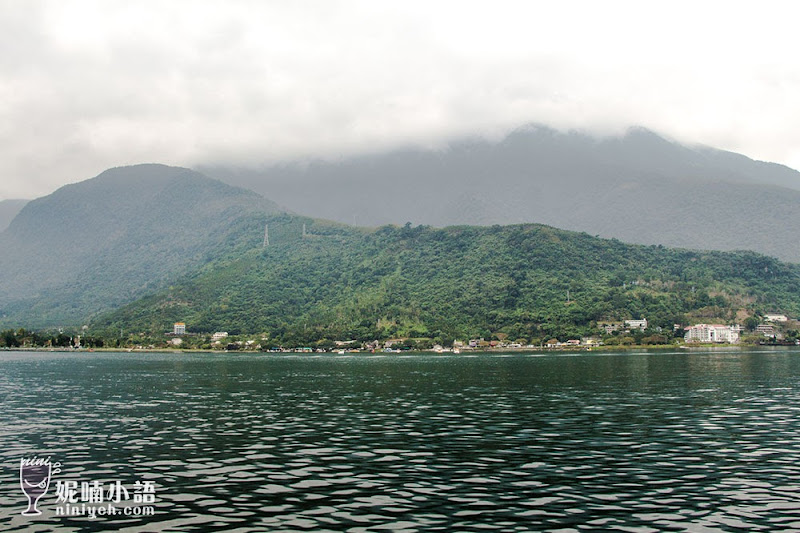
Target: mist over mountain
[(8, 210), (639, 188), (94, 245)]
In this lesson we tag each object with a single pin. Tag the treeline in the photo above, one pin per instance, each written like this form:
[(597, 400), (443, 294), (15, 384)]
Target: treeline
[(22, 338), (11, 339)]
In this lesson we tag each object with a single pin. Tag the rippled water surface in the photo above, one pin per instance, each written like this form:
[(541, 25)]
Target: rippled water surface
[(700, 441)]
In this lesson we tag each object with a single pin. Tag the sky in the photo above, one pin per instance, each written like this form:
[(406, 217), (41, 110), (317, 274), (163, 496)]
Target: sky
[(89, 85)]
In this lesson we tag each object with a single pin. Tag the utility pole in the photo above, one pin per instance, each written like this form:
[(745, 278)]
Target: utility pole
[(266, 235)]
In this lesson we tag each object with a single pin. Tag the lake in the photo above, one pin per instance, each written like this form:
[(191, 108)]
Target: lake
[(695, 440)]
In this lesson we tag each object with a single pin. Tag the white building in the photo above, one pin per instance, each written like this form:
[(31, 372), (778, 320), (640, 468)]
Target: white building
[(776, 318), (219, 335), (179, 328), (766, 329), (636, 324), (712, 333)]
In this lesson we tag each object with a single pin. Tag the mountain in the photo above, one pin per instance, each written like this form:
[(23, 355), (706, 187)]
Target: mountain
[(337, 282), (141, 247), (640, 188), (97, 244), (8, 210)]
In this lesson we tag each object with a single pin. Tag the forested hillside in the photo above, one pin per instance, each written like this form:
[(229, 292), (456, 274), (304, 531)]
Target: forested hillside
[(97, 244), (339, 282)]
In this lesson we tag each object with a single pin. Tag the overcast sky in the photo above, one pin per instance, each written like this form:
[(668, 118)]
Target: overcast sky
[(85, 86)]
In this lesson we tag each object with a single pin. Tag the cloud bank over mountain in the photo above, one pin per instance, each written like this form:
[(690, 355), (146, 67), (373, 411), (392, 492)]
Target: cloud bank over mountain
[(89, 86)]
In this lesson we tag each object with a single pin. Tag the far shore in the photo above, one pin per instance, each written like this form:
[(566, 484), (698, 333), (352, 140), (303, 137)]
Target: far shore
[(611, 348)]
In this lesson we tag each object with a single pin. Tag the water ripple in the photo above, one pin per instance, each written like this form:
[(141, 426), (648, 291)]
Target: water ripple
[(643, 442)]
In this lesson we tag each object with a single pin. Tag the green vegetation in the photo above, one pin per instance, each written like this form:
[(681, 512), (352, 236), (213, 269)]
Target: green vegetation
[(134, 250), (462, 282), (96, 245), (23, 338)]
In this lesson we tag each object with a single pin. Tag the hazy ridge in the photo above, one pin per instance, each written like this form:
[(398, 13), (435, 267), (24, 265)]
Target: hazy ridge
[(640, 188), (94, 245), (8, 210)]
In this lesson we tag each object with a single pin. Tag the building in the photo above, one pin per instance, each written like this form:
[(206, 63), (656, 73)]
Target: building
[(179, 328), (591, 341), (636, 324), (219, 335), (765, 329), (776, 318), (610, 327), (712, 333)]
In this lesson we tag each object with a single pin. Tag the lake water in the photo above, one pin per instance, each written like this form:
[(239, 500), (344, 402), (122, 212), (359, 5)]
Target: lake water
[(700, 441)]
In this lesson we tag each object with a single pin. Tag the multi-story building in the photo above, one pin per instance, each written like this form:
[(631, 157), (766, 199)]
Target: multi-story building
[(712, 333), (179, 328), (636, 324)]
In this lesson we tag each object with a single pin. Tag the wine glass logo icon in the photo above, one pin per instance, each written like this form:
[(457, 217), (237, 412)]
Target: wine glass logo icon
[(34, 478)]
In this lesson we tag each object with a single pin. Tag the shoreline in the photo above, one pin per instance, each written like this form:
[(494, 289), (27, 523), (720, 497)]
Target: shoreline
[(596, 349)]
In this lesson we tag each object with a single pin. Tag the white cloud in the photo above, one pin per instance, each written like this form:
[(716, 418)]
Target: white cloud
[(90, 85)]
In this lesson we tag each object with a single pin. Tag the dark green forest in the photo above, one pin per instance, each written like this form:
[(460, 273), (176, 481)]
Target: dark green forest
[(523, 281)]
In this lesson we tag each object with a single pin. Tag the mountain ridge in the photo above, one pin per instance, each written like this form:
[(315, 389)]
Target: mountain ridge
[(621, 187), (8, 210), (106, 240)]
